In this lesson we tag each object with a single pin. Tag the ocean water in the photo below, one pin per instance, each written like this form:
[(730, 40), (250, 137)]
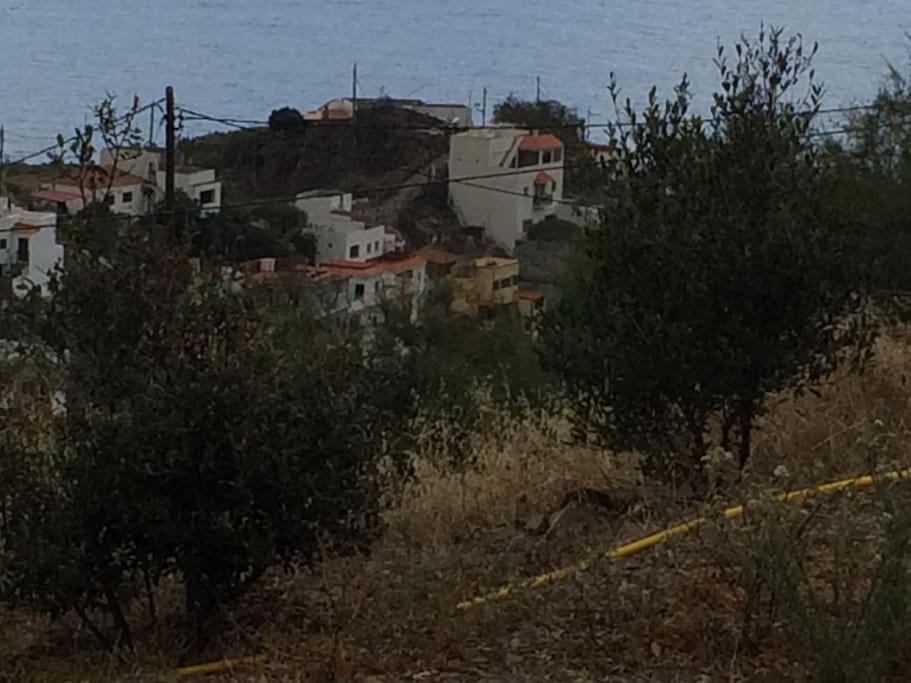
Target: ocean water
[(242, 58)]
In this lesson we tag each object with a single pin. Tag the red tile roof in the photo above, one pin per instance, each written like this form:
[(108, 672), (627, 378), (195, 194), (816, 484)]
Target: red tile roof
[(535, 143), (530, 294), (378, 266), (25, 227), (58, 196), (543, 177)]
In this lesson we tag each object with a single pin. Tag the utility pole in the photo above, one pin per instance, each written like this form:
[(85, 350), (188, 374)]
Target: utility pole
[(151, 126), (484, 107), (170, 160), (537, 88), (2, 161), (354, 93)]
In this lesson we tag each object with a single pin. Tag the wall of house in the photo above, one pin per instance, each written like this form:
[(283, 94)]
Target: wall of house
[(44, 253), (143, 163), (503, 204)]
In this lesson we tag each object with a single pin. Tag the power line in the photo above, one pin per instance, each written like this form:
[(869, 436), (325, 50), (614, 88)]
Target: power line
[(378, 188), (57, 145), (442, 127)]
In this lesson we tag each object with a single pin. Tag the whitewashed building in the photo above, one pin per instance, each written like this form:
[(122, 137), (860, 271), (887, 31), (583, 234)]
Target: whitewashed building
[(29, 251), (131, 182), (339, 236), (505, 179)]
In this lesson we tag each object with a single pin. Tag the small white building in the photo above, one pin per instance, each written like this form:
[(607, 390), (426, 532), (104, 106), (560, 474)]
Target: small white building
[(505, 179), (29, 251), (125, 193), (338, 235), (131, 182), (393, 279)]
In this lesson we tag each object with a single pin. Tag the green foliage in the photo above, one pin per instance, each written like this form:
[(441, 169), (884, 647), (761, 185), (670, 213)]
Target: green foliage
[(551, 115), (461, 364), (836, 581), (268, 230), (553, 229), (203, 438), (287, 121), (721, 273)]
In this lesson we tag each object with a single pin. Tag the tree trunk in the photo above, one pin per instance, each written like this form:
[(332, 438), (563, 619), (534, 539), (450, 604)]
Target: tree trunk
[(746, 432), (125, 640), (90, 625)]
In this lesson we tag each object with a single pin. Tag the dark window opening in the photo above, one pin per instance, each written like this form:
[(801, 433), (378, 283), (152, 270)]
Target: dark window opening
[(527, 158), (207, 197), (558, 155), (354, 251), (127, 198), (22, 253), (358, 292)]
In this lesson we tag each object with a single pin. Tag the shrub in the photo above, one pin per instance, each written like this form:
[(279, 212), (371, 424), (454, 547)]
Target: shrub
[(199, 440)]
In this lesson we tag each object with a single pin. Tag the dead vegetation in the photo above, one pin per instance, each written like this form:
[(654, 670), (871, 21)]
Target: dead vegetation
[(713, 606)]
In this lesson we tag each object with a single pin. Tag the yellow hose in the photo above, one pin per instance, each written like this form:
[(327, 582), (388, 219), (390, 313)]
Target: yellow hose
[(218, 667), (628, 549)]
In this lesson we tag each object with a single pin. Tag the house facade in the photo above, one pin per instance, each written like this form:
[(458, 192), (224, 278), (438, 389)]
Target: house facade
[(29, 251), (339, 236), (123, 193), (131, 182), (505, 179)]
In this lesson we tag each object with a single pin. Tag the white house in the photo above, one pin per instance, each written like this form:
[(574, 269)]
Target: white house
[(342, 109), (28, 248), (393, 278), (124, 193), (505, 179), (338, 235), (132, 181)]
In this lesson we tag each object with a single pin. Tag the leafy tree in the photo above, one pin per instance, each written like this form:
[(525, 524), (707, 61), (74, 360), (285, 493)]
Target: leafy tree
[(198, 440), (721, 273), (265, 231), (551, 115), (287, 121), (553, 229)]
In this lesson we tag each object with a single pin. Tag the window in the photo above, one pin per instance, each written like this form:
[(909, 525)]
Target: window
[(127, 198), (558, 155), (358, 292), (109, 200), (354, 251), (527, 158), (376, 246), (22, 253), (2, 244), (546, 157), (369, 247), (207, 197)]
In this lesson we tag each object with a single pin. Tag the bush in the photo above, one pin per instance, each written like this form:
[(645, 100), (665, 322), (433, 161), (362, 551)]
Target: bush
[(198, 441), (553, 229)]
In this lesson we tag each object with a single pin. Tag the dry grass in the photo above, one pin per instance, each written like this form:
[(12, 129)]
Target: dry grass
[(672, 614)]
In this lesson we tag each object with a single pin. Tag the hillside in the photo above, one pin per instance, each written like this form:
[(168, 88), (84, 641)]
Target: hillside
[(684, 611)]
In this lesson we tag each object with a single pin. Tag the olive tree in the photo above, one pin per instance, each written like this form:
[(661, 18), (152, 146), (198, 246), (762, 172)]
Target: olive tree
[(721, 273)]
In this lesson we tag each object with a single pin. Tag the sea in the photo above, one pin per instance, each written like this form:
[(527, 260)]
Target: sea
[(244, 58)]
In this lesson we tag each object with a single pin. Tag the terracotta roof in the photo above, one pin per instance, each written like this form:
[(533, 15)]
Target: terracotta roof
[(25, 227), (534, 143), (363, 269), (58, 196), (544, 178), (530, 294), (437, 255)]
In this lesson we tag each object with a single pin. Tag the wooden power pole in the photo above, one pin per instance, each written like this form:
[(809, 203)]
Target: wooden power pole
[(2, 161), (537, 88), (170, 199), (484, 107)]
